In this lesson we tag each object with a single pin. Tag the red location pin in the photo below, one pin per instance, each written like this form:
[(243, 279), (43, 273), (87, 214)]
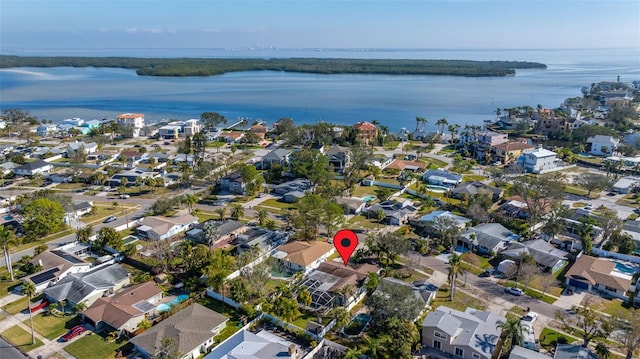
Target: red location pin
[(345, 242)]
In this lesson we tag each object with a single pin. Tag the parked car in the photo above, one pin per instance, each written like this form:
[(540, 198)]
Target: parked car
[(487, 273), (124, 196), (530, 317), (73, 332), (514, 291), (110, 219), (589, 207)]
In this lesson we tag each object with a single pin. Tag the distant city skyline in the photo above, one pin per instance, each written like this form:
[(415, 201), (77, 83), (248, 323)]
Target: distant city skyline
[(462, 24)]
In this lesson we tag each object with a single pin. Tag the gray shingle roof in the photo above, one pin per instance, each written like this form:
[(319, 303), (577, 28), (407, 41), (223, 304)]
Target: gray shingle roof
[(77, 286)]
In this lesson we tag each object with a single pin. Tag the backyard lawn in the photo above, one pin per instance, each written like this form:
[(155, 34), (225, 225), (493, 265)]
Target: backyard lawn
[(362, 191), (549, 338), (93, 346), (52, 327), (460, 300), (21, 338)]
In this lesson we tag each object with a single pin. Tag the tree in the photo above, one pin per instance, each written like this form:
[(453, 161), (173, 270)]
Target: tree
[(77, 308), (83, 234), (29, 289), (388, 246), (42, 216), (590, 324), (263, 215), (108, 236), (455, 269), (602, 351), (511, 331), (190, 200), (211, 120), (392, 300), (628, 324), (539, 193), (341, 316), (311, 165), (168, 348), (222, 212), (445, 230), (592, 182), (237, 211), (252, 179), (372, 281), (610, 223), (8, 240), (304, 297), (211, 231), (239, 289), (442, 123)]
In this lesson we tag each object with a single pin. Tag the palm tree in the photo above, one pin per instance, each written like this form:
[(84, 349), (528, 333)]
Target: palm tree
[(442, 123), (7, 240), (190, 200), (262, 216), (341, 316), (139, 182), (237, 211), (222, 212), (346, 293), (421, 123), (511, 331), (352, 354), (602, 351), (29, 289), (455, 269)]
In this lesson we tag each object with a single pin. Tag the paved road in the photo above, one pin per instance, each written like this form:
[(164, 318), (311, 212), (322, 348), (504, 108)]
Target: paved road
[(7, 351)]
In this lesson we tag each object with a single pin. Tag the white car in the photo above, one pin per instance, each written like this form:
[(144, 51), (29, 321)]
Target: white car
[(530, 317)]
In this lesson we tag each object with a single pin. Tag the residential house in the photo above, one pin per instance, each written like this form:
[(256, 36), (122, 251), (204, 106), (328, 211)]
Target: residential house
[(87, 287), (547, 257), (351, 205), (442, 178), (233, 183), (300, 185), (516, 207), (280, 156), (259, 238), (47, 130), (472, 334), (509, 152), (157, 228), (403, 165), (224, 231), (482, 142), (124, 310), (486, 238), (6, 168), (326, 283), (292, 197), (103, 155), (63, 176), (262, 345), (132, 176), (80, 209), (424, 292), (467, 190), (339, 157), (55, 265), (625, 185), (573, 351), (231, 136), (602, 145), (303, 257), (599, 274), (519, 352), (395, 213), (48, 153), (87, 147), (259, 130), (549, 124), (423, 224), (191, 329), (38, 167), (367, 131), (132, 157), (538, 160), (175, 129), (133, 120)]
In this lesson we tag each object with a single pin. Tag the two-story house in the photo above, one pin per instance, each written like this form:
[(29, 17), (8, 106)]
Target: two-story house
[(602, 145), (367, 131), (538, 160)]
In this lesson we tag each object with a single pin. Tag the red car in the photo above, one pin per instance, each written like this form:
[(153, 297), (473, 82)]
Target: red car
[(74, 332)]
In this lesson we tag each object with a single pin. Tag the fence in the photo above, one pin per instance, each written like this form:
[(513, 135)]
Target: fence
[(624, 257)]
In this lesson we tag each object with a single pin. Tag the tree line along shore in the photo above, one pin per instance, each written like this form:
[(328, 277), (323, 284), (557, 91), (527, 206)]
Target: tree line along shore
[(180, 67)]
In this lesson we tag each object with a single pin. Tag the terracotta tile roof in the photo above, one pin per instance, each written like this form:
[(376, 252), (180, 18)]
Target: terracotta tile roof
[(402, 164), (365, 126), (597, 271), (514, 146), (233, 134), (305, 253), (130, 115), (259, 128)]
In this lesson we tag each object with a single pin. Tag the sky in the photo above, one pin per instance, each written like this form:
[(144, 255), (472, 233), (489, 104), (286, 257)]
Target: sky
[(417, 24)]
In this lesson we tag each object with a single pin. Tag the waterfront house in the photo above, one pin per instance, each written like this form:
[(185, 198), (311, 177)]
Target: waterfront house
[(508, 152), (46, 130), (133, 120), (538, 160), (192, 330), (472, 334), (602, 145), (231, 136), (124, 310)]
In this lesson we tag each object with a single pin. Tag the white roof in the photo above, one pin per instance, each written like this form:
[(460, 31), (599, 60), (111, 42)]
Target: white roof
[(540, 152)]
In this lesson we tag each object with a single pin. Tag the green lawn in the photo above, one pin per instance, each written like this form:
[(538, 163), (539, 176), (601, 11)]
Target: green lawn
[(277, 204), (460, 300), (92, 346), (549, 338), (205, 216), (533, 293), (434, 161), (71, 186), (6, 285), (16, 307), (105, 211), (51, 327), (21, 338), (216, 144), (362, 191), (220, 307), (391, 145), (362, 221), (471, 178), (229, 330)]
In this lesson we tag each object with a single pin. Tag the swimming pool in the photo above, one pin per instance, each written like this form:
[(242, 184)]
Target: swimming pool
[(357, 324), (164, 307), (368, 198), (437, 189), (621, 267)]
